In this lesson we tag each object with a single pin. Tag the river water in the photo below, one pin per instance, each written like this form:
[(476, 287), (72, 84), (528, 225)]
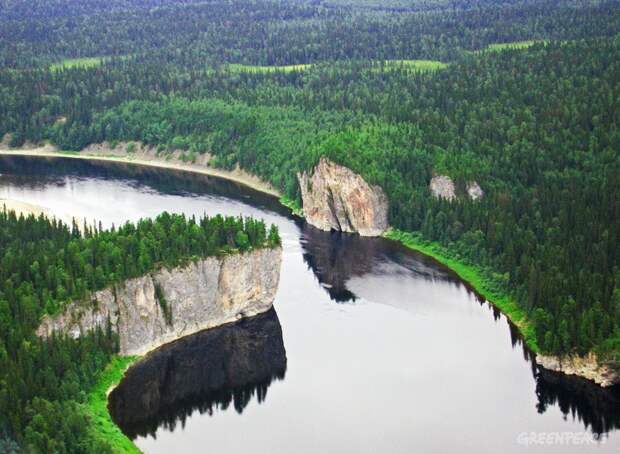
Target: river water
[(371, 348)]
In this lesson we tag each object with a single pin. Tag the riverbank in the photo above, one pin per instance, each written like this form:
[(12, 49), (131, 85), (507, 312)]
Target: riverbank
[(472, 275), (103, 426), (151, 160), (26, 209)]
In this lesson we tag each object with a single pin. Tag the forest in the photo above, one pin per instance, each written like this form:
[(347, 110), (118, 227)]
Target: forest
[(46, 264), (537, 124)]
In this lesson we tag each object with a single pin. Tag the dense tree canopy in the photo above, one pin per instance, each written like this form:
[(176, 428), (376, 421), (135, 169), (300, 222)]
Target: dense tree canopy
[(44, 265), (536, 124)]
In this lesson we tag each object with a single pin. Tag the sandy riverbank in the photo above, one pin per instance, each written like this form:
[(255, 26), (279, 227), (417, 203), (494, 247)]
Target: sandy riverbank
[(26, 209), (147, 157)]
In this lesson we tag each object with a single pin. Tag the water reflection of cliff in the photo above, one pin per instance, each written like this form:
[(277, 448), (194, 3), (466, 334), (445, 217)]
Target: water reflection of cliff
[(336, 257), (207, 371), (598, 408)]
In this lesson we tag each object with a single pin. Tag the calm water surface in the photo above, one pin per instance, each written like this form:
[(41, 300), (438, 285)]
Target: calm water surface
[(371, 348)]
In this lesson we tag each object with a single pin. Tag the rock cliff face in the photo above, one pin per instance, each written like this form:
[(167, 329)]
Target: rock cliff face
[(161, 307), (442, 187), (335, 198), (587, 367)]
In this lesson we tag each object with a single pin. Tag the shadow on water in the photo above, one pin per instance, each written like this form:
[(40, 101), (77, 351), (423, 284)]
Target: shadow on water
[(596, 407), (336, 257), (204, 372)]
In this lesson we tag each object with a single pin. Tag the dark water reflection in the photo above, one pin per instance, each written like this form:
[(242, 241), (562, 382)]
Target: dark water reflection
[(598, 408), (208, 371), (414, 361)]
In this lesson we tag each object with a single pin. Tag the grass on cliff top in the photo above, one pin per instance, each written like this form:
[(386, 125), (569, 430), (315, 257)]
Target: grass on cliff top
[(97, 406), (476, 278)]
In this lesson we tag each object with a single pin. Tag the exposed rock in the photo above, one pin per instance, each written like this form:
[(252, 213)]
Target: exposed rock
[(584, 366), (203, 294), (442, 187), (335, 198), (474, 190)]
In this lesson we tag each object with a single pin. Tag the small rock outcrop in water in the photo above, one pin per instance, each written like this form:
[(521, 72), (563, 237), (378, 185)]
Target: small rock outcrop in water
[(587, 367), (158, 308), (335, 198), (442, 187)]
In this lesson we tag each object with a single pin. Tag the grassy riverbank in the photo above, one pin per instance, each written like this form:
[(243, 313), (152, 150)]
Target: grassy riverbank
[(475, 277), (97, 406)]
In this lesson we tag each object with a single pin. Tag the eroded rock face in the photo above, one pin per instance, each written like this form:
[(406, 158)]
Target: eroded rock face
[(335, 198), (203, 294), (442, 187), (474, 190), (584, 366)]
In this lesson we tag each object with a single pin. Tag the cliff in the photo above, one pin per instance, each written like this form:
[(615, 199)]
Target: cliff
[(587, 367), (442, 187), (164, 306), (335, 198)]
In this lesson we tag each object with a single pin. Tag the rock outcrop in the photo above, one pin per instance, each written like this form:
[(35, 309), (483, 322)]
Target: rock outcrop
[(584, 366), (474, 191), (442, 187), (164, 306), (335, 198)]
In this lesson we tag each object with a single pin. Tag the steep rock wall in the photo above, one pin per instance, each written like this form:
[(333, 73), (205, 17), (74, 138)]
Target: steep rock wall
[(335, 198), (587, 367), (161, 307), (442, 187)]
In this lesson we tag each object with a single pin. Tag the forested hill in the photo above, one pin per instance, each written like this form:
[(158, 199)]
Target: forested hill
[(267, 32), (521, 96)]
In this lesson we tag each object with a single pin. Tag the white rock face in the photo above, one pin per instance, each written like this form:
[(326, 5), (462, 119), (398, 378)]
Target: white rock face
[(442, 187), (474, 190), (335, 198), (201, 295), (587, 367)]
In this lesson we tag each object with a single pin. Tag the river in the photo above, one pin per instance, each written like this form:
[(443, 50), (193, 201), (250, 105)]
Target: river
[(371, 347)]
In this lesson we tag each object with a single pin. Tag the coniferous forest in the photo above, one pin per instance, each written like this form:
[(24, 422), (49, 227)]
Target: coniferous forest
[(521, 96), (46, 264)]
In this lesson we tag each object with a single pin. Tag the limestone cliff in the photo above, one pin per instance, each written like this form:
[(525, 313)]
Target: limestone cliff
[(335, 198), (587, 367), (442, 187), (161, 307)]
